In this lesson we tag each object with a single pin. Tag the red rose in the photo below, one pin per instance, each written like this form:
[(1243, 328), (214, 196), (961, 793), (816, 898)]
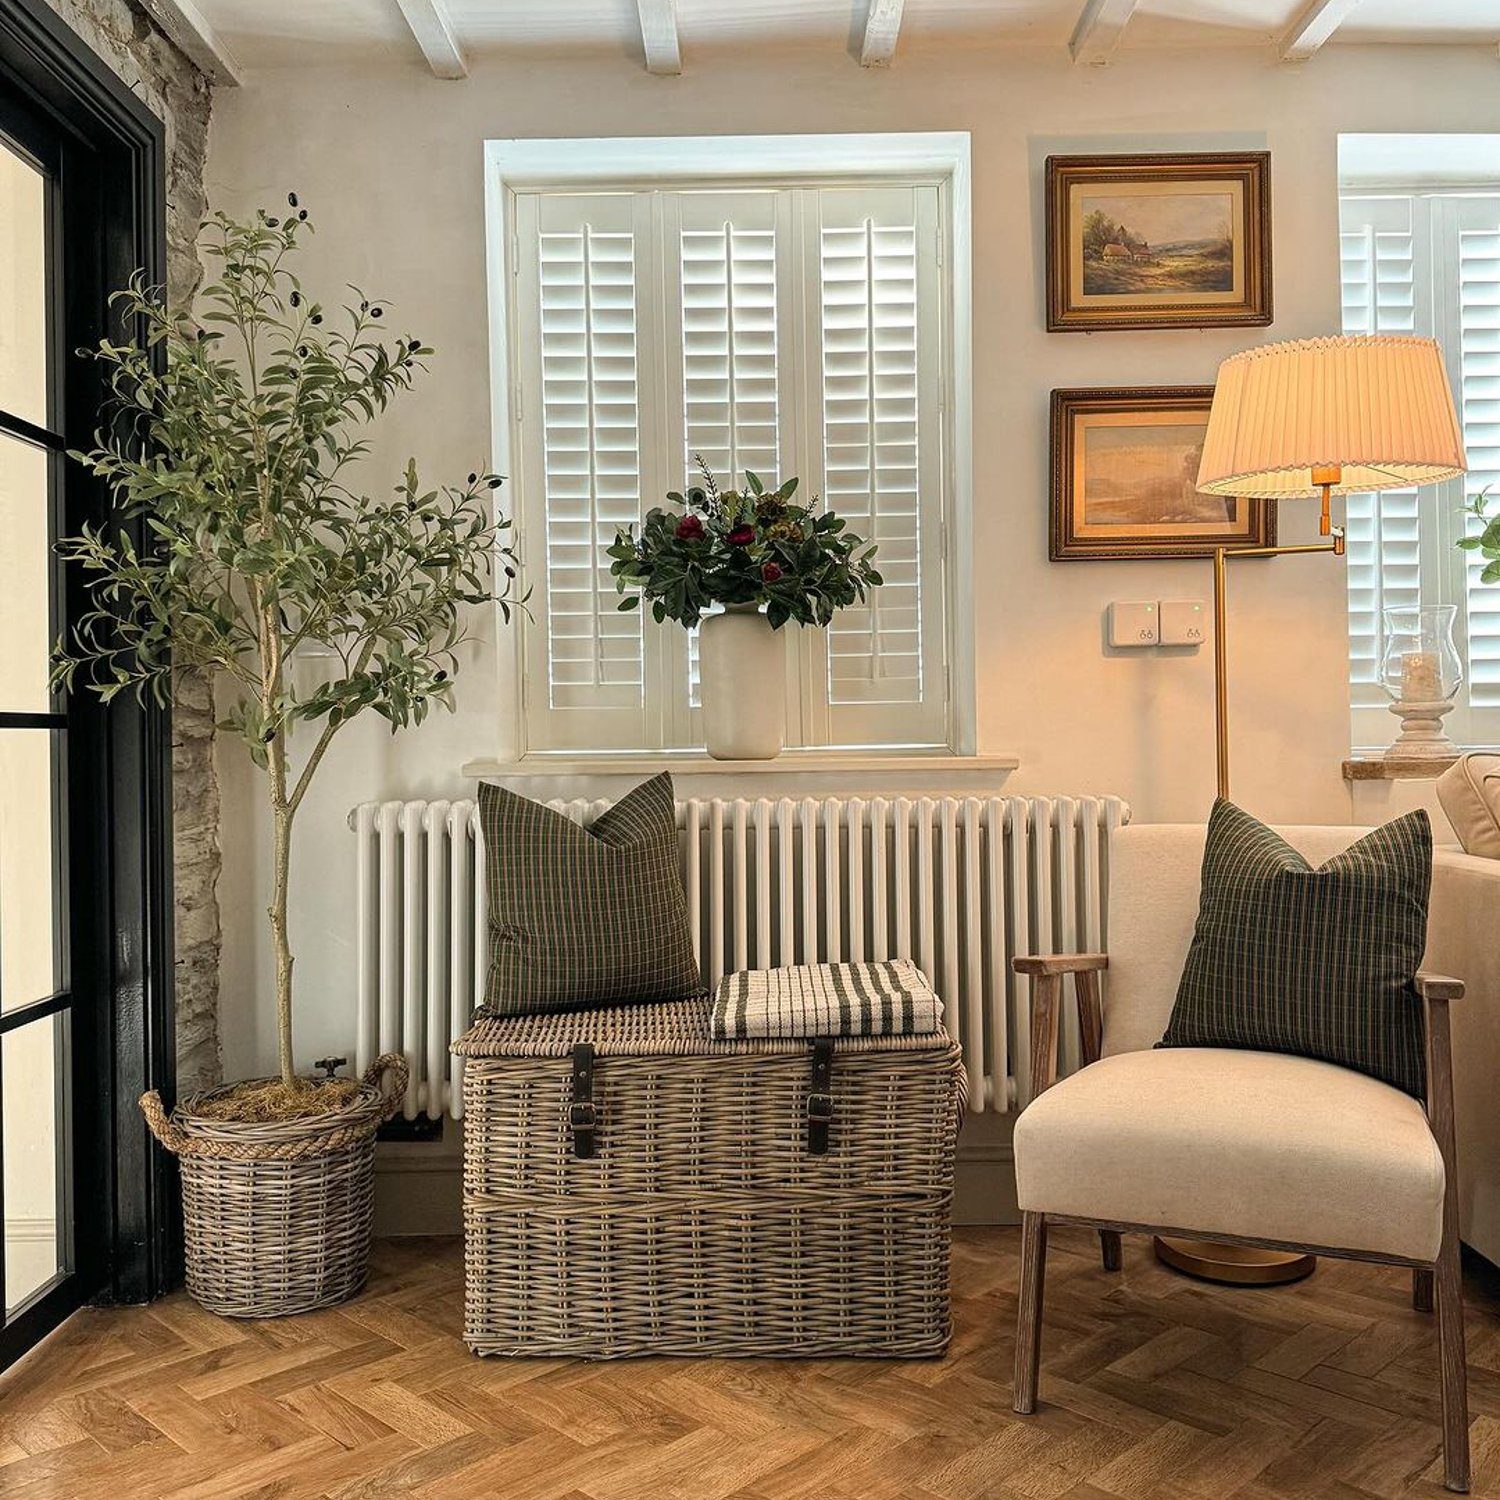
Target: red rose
[(770, 573), (689, 529), (741, 536)]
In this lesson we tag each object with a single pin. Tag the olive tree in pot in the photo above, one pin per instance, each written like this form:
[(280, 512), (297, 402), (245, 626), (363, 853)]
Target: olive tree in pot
[(232, 435)]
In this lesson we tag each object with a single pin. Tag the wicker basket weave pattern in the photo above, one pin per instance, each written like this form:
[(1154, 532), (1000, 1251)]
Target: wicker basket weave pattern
[(277, 1214), (702, 1225)]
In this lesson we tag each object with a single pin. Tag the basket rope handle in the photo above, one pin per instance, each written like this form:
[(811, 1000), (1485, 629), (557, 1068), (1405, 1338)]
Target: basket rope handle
[(395, 1064), (160, 1125), (180, 1143)]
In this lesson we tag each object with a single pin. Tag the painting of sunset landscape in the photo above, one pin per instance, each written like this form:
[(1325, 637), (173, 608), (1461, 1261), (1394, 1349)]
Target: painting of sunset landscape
[(1139, 475)]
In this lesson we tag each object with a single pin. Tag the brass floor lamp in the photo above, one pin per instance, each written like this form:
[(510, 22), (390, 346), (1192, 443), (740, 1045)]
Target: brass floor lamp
[(1311, 419)]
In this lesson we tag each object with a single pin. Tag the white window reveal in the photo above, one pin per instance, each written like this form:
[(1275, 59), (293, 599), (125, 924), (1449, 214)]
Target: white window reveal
[(1428, 263), (786, 329)]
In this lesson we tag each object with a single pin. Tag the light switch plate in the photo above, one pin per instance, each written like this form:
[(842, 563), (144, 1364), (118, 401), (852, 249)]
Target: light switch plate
[(1133, 623), (1184, 622)]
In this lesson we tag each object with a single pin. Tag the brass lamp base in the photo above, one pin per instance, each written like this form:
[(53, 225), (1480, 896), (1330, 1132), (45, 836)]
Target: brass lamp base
[(1233, 1265)]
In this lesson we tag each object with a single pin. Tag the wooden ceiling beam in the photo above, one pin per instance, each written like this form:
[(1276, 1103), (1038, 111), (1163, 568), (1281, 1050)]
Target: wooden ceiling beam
[(433, 29), (1317, 22), (1100, 26), (659, 36), (190, 32), (882, 28)]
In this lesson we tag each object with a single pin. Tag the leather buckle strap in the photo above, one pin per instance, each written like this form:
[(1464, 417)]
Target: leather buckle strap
[(583, 1117), (820, 1098)]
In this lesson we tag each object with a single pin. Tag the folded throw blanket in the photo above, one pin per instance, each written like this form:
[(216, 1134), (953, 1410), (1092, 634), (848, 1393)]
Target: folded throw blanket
[(889, 998)]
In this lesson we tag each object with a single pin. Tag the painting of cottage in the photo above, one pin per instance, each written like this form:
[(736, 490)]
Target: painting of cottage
[(1158, 243)]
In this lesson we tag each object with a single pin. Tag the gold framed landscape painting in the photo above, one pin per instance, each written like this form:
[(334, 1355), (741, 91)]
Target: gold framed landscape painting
[(1180, 241), (1124, 478)]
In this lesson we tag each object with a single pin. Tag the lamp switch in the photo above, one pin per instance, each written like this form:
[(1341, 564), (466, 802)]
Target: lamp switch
[(1133, 624), (1184, 622)]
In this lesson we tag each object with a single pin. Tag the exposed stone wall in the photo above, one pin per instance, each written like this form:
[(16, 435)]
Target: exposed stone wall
[(126, 38)]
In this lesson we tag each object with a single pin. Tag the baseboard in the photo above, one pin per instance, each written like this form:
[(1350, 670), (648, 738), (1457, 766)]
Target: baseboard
[(30, 1231), (419, 1184)]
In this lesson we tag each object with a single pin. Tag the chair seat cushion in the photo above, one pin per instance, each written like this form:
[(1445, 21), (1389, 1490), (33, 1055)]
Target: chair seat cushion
[(1235, 1142)]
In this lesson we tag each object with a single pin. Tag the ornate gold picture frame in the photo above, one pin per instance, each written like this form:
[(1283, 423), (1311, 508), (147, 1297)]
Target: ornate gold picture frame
[(1180, 241), (1124, 472)]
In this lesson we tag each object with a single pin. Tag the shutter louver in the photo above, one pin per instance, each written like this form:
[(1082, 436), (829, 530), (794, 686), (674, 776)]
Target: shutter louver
[(591, 461), (870, 458), (1383, 546), (1479, 410)]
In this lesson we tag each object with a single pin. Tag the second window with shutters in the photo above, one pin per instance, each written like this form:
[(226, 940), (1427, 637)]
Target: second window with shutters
[(1424, 262), (784, 330)]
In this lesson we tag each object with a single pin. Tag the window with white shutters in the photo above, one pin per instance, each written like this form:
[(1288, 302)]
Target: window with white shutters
[(1427, 263), (783, 330)]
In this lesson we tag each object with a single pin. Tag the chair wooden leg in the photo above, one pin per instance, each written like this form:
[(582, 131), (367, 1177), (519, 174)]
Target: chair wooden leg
[(1421, 1291), (1453, 1371), (1029, 1311), (1109, 1248)]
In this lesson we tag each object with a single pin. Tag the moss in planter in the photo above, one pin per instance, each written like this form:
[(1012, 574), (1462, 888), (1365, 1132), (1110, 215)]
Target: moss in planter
[(271, 1099)]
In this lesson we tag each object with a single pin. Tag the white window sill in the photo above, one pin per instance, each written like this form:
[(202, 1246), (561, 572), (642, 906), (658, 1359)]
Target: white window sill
[(802, 763)]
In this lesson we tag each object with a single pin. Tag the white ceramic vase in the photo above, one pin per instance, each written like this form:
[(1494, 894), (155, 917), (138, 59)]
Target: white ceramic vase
[(742, 683)]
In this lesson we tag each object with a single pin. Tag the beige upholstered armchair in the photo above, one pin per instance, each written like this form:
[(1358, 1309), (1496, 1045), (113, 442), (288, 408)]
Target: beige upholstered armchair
[(1242, 1148)]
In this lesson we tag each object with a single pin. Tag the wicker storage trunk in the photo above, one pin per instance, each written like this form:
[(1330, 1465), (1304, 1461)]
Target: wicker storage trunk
[(702, 1223)]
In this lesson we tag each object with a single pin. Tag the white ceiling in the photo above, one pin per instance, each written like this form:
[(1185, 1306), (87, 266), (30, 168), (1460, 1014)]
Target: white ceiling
[(279, 32)]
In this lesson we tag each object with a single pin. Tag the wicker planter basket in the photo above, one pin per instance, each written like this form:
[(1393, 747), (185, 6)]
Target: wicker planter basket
[(702, 1223), (277, 1214)]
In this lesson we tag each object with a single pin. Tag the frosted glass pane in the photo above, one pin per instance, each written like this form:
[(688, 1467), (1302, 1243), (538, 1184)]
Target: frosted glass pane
[(25, 568), (23, 304), (28, 916), (29, 1082)]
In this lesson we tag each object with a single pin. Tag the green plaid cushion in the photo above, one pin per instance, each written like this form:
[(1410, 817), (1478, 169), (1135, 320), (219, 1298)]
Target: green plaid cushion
[(1320, 962), (584, 917)]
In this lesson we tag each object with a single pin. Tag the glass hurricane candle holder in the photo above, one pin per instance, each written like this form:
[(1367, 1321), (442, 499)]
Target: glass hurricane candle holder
[(1421, 670)]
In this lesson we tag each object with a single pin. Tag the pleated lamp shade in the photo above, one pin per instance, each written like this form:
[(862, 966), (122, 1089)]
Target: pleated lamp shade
[(1372, 412)]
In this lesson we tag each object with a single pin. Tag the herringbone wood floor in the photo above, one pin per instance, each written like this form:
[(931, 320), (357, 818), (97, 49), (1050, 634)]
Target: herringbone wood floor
[(1152, 1385)]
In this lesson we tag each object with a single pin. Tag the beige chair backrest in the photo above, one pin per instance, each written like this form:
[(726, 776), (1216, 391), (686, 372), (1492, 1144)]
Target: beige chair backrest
[(1154, 871)]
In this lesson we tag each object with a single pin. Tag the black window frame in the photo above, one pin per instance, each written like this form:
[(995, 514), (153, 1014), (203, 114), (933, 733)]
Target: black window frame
[(126, 1243)]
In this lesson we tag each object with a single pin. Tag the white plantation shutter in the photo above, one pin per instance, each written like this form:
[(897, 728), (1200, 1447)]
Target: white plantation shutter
[(727, 281), (1429, 264), (878, 374), (781, 330), (585, 667), (1383, 559), (1478, 389)]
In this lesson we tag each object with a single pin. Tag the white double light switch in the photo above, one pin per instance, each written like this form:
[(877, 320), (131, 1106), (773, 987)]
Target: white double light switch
[(1169, 622)]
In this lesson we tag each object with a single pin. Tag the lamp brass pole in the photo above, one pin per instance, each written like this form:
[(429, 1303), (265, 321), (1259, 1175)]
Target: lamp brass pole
[(1244, 1265)]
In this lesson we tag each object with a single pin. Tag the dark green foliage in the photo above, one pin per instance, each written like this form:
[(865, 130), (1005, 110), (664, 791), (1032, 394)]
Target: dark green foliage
[(749, 546)]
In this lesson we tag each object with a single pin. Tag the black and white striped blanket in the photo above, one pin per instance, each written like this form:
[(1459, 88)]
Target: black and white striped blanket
[(888, 998)]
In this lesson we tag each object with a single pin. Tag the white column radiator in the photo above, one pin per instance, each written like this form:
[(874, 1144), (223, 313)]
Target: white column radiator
[(959, 884)]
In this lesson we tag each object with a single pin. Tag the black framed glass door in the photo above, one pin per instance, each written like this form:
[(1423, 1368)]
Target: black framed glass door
[(85, 886), (38, 1261)]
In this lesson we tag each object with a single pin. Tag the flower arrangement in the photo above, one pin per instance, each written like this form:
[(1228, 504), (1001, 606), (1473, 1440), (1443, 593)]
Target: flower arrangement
[(750, 546)]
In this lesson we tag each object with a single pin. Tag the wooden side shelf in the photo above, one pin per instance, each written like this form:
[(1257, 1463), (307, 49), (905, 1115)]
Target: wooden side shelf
[(1379, 768)]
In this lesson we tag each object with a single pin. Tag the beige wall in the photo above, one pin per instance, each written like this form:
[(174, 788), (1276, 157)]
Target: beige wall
[(390, 164)]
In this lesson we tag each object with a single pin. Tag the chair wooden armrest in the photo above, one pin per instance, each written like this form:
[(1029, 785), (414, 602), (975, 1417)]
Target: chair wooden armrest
[(1046, 972), (1439, 986)]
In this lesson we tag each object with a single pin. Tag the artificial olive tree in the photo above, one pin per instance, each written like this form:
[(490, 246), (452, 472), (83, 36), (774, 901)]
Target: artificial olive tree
[(229, 445)]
